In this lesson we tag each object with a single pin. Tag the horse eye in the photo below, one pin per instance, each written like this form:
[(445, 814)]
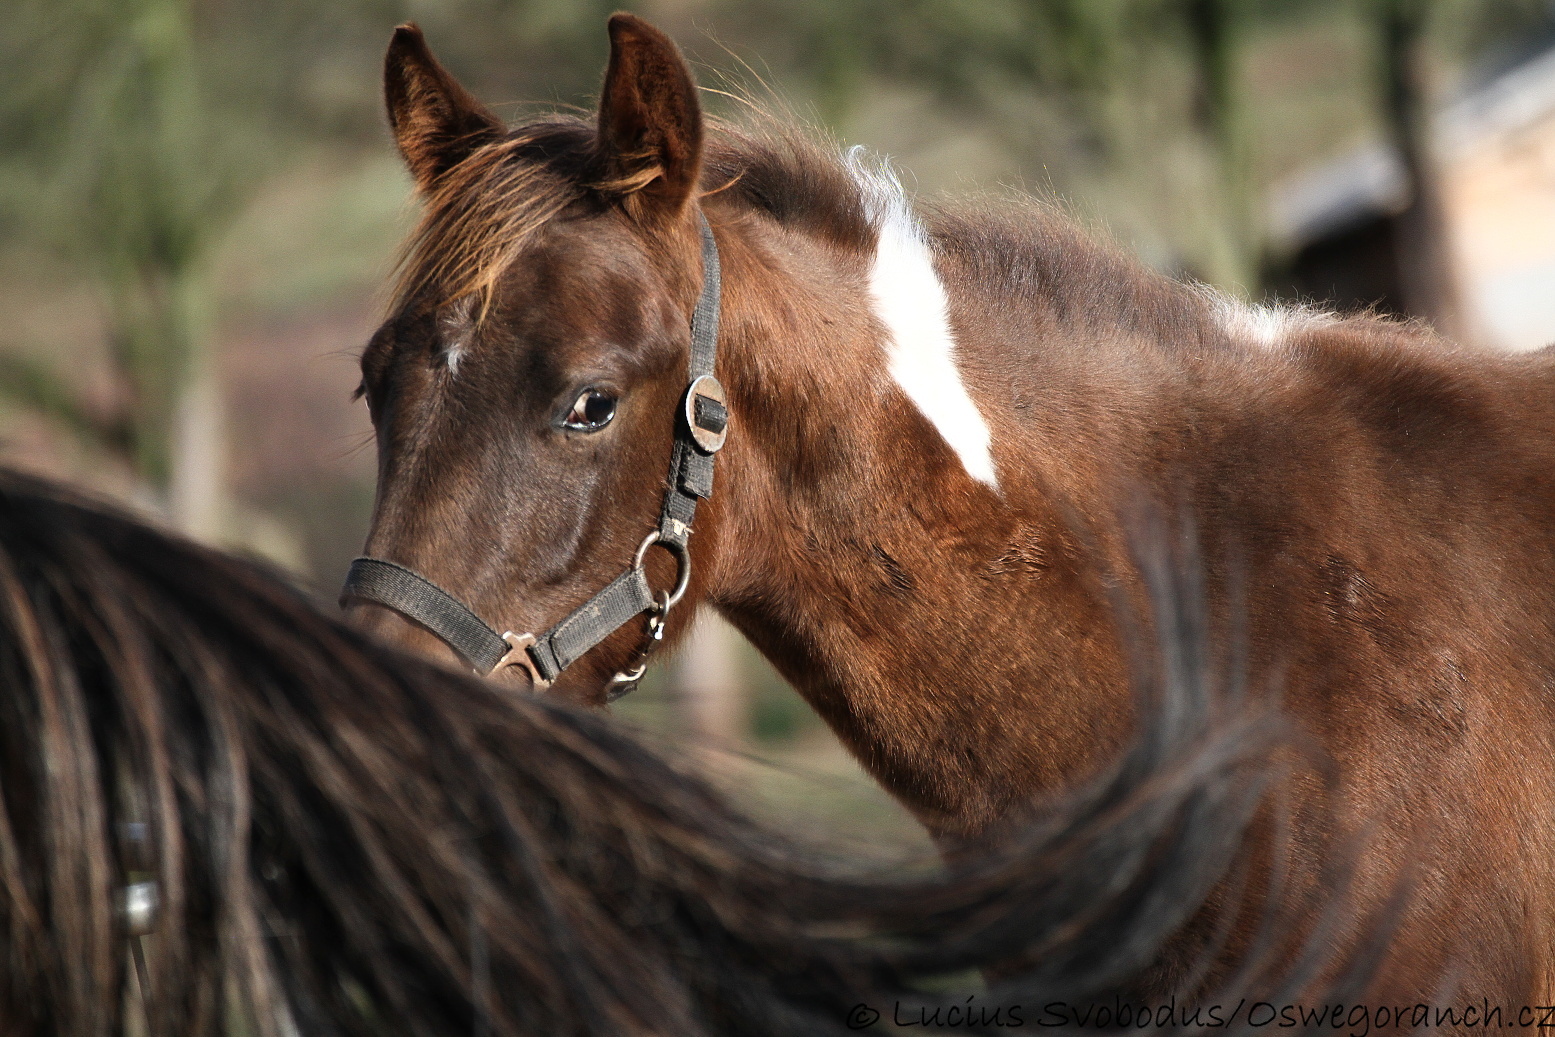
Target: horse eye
[(591, 411)]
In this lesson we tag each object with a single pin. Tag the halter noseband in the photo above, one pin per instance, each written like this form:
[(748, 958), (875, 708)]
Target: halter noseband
[(701, 425)]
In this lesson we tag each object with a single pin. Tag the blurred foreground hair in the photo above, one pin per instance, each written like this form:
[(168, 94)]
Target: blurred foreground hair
[(346, 840)]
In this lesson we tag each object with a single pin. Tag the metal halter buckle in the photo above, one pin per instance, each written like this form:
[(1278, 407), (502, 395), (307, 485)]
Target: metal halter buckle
[(518, 655), (706, 410)]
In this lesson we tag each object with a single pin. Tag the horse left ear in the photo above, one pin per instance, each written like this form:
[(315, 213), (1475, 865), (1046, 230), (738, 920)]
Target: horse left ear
[(650, 123), (436, 123)]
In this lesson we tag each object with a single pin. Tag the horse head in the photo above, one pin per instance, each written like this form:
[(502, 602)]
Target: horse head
[(547, 419), (525, 387)]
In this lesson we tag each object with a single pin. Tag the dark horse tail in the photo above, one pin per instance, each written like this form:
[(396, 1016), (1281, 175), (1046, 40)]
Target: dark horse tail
[(345, 840)]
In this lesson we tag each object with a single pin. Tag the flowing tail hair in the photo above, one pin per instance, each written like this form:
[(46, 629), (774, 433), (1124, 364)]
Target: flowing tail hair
[(319, 835)]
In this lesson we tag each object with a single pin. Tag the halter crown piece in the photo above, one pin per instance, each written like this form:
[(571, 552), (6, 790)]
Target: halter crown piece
[(701, 426)]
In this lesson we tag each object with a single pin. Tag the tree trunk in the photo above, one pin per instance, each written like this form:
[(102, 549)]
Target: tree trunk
[(708, 684), (1427, 276), (196, 495), (1214, 26)]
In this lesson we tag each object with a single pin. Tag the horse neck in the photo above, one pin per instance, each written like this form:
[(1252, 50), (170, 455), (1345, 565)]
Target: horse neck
[(937, 615)]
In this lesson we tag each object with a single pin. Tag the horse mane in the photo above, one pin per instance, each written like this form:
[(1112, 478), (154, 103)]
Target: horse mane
[(359, 842), (480, 215)]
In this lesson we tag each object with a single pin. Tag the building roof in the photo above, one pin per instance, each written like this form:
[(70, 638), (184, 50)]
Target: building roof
[(1369, 182)]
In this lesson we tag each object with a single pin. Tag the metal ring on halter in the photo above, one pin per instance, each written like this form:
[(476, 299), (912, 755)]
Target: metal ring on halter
[(682, 561)]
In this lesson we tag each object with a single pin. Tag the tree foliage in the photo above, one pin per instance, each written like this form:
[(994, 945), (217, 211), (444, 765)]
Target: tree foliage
[(115, 162), (130, 130)]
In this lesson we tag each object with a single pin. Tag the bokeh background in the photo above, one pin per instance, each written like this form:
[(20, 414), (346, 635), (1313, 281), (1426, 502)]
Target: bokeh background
[(199, 203)]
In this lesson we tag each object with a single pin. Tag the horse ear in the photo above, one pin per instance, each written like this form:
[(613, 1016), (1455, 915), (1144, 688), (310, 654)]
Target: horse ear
[(650, 123), (435, 121)]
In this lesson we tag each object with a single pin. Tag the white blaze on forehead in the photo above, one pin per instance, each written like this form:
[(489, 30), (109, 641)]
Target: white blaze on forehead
[(910, 301), (455, 328)]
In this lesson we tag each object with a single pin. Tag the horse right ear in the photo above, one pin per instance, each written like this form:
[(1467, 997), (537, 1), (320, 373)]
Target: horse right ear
[(650, 123), (436, 122)]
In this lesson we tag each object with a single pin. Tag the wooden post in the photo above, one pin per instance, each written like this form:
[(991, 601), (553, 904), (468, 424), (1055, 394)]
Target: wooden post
[(1427, 277), (709, 684)]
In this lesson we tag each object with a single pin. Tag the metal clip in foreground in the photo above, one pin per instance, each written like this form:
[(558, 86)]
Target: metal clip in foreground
[(626, 680), (139, 903)]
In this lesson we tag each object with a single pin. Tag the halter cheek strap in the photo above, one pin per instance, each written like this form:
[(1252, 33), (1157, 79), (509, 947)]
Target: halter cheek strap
[(701, 426)]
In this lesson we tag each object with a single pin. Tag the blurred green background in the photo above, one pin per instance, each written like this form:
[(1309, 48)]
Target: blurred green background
[(199, 203)]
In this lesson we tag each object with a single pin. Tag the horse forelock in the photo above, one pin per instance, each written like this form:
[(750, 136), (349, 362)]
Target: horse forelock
[(482, 214)]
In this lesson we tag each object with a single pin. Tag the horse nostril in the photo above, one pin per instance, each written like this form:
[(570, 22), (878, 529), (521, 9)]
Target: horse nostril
[(391, 628)]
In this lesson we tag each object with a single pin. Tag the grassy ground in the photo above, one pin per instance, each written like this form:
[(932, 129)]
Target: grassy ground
[(789, 771)]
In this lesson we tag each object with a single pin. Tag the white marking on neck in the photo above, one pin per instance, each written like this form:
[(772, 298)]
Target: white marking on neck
[(910, 301), (1266, 326), (456, 326)]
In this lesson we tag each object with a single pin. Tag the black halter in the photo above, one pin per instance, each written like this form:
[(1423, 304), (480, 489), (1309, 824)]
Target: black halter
[(701, 425)]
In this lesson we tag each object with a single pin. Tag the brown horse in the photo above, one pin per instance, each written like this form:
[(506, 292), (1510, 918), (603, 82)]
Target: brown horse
[(276, 818), (933, 420)]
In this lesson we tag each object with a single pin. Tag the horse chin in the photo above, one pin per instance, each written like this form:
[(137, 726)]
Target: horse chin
[(586, 689)]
